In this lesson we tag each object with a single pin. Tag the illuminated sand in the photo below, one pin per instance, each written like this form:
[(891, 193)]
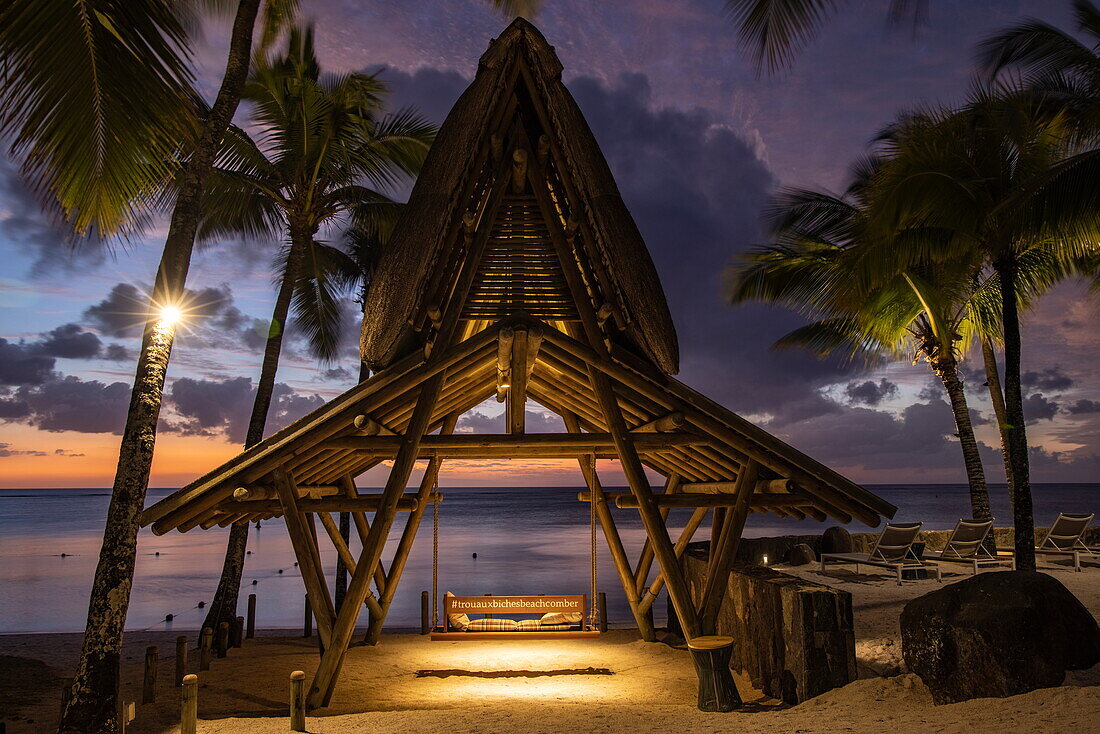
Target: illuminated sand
[(653, 688)]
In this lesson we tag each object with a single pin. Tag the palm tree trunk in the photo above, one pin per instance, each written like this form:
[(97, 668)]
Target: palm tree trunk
[(1022, 514), (224, 606), (997, 397), (947, 370), (93, 705)]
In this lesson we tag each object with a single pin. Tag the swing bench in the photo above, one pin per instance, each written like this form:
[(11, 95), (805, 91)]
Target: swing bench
[(558, 611), (563, 617)]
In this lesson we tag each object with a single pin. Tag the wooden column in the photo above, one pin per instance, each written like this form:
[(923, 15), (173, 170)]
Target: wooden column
[(647, 506), (305, 550), (344, 553), (517, 393), (721, 557), (611, 535), (324, 680), (362, 528), (408, 536), (686, 535)]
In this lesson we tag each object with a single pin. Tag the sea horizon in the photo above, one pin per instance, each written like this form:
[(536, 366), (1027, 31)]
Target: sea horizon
[(528, 540)]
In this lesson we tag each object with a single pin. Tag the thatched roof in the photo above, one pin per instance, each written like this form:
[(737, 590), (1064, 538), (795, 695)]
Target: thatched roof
[(423, 240)]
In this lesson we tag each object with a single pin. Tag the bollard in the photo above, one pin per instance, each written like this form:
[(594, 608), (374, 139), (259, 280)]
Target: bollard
[(206, 645), (238, 632), (127, 711), (425, 614), (149, 682), (250, 624), (603, 611), (189, 705), (66, 692), (181, 660), (297, 701), (307, 628), (222, 640)]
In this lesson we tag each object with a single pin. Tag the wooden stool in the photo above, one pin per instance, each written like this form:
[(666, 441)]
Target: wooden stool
[(711, 655)]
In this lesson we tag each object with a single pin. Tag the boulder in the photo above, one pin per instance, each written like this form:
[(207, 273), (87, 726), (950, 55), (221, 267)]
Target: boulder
[(836, 540), (802, 554), (997, 634)]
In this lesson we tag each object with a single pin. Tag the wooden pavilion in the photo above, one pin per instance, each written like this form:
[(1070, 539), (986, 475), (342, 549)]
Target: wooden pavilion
[(515, 271)]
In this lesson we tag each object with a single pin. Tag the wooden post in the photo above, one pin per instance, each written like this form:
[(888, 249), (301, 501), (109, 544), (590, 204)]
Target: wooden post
[(305, 550), (250, 620), (647, 506), (222, 639), (517, 393), (686, 535), (425, 614), (238, 632), (206, 648), (297, 701), (611, 535), (149, 681), (645, 561), (722, 557), (307, 625), (181, 660), (603, 611), (189, 705), (324, 680)]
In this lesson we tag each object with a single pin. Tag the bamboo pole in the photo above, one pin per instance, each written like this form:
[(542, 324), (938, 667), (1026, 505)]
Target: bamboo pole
[(645, 560), (297, 701), (722, 557), (681, 545), (305, 551)]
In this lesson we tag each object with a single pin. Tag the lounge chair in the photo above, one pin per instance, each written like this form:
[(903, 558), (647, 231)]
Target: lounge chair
[(1065, 539), (893, 549), (966, 545)]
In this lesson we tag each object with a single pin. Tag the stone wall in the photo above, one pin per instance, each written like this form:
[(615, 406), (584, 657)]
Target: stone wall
[(793, 639)]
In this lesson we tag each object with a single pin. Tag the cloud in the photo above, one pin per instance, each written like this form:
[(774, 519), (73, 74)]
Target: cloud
[(66, 453), (1084, 406), (69, 404), (536, 421), (6, 450), (213, 407), (70, 341), (120, 313), (870, 392), (1052, 379), (22, 365), (1038, 408)]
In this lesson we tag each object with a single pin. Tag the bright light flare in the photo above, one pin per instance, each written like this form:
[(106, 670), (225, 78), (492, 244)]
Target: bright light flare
[(171, 315)]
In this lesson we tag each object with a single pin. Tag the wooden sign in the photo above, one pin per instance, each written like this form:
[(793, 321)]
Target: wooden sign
[(513, 604)]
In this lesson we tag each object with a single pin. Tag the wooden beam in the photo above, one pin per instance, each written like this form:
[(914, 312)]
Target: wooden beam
[(324, 680), (645, 560), (344, 552), (681, 545), (305, 551), (428, 487), (611, 535), (625, 500), (269, 492), (762, 486), (504, 363), (497, 444), (650, 513), (362, 527), (668, 423), (362, 503), (722, 556)]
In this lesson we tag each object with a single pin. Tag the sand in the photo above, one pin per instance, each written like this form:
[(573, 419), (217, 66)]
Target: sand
[(652, 688)]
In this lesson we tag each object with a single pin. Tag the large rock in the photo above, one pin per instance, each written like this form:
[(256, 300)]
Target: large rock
[(836, 540), (802, 554), (997, 634)]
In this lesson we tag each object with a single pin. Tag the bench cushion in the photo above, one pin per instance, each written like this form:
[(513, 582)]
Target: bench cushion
[(457, 621), (562, 618), (492, 625)]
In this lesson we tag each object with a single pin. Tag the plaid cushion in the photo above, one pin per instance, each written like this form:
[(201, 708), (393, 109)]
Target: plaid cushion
[(562, 618), (555, 627), (528, 625), (457, 621), (492, 625)]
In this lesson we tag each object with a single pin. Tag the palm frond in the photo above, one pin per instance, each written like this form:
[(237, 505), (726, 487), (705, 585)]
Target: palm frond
[(95, 97), (325, 274), (774, 31)]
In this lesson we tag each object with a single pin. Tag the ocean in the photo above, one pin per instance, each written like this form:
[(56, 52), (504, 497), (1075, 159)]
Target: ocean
[(528, 540)]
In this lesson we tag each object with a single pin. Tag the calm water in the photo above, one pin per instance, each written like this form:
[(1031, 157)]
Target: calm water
[(528, 541)]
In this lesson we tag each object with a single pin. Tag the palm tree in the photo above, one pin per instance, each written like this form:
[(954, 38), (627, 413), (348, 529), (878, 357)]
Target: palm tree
[(321, 149), (813, 267), (96, 96), (1003, 178)]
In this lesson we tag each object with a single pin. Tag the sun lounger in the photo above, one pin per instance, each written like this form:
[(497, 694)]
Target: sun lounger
[(893, 549), (1065, 539), (966, 545)]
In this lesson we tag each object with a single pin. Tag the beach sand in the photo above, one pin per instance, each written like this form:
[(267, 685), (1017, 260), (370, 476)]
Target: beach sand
[(652, 689)]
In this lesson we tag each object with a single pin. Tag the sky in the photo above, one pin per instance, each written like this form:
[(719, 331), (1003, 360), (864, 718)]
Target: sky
[(698, 142)]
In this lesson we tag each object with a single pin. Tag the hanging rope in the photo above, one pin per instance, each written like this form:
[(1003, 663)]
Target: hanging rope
[(435, 561), (594, 599)]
